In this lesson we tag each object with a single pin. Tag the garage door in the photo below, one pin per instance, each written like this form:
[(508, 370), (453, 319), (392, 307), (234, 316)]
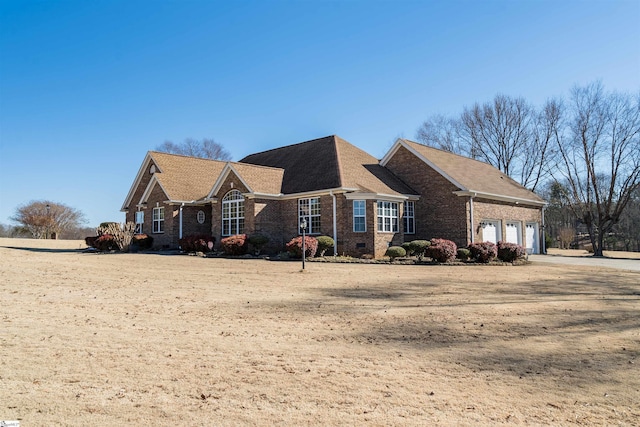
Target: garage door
[(512, 231), (532, 238), (490, 231)]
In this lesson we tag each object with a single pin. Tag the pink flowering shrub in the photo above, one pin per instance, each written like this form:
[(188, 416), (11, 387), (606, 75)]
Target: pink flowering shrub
[(484, 252), (196, 243), (509, 252), (294, 247), (235, 245), (442, 250)]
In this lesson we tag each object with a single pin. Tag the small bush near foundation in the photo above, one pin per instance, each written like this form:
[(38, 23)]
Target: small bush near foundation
[(197, 243), (105, 242), (483, 251), (257, 242), (235, 245), (407, 248), (394, 252), (143, 241), (464, 254), (324, 244), (442, 250), (509, 252), (419, 248), (294, 247), (91, 241)]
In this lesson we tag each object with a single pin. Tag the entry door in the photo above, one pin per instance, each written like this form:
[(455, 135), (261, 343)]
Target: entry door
[(513, 235), (490, 231), (532, 238)]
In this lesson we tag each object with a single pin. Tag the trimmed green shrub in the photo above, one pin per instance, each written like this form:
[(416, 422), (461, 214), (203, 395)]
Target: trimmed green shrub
[(484, 252), (197, 243), (143, 241), (408, 248), (235, 245), (257, 241), (419, 248), (442, 250), (464, 254), (324, 243), (509, 252), (294, 247), (394, 252)]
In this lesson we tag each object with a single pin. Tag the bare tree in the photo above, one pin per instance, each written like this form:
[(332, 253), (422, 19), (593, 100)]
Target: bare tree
[(206, 149), (599, 157), (45, 219), (507, 133)]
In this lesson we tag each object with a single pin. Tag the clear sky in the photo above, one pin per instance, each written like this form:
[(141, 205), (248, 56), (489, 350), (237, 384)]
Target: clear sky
[(88, 87)]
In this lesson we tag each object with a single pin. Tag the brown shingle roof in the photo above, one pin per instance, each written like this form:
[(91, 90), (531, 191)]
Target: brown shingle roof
[(260, 179), (473, 175), (329, 163), (186, 178)]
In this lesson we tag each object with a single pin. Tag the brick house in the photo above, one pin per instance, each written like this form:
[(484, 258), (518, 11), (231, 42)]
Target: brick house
[(365, 204)]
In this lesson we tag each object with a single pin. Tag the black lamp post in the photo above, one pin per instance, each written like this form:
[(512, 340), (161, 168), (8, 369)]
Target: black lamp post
[(303, 226)]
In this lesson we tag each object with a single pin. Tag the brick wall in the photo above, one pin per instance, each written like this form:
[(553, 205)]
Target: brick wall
[(504, 212), (439, 212)]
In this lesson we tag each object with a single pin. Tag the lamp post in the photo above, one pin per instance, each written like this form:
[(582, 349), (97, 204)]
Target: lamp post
[(303, 226)]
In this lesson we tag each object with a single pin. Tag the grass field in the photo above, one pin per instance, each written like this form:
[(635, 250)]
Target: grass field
[(148, 339)]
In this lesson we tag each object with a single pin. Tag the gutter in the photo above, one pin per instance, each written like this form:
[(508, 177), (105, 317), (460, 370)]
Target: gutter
[(471, 196)]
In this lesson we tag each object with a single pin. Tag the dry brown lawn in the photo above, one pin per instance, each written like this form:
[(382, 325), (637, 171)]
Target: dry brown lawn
[(146, 339)]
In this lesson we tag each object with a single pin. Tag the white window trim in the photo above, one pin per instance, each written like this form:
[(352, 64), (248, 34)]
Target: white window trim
[(409, 218), (393, 219), (232, 225), (158, 220), (309, 216), (363, 216)]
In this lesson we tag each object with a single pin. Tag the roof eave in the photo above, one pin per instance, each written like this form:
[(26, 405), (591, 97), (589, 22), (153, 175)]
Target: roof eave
[(500, 197)]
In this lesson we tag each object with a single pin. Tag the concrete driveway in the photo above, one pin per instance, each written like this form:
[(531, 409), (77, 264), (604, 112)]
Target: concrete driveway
[(618, 263)]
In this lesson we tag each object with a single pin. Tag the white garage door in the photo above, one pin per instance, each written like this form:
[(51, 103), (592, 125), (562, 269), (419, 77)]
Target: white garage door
[(532, 238), (512, 231), (490, 231)]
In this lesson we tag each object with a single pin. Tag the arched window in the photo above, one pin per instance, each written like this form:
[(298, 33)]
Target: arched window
[(232, 213)]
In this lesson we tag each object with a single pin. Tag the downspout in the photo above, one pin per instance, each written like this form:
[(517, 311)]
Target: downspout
[(180, 231), (471, 218), (543, 236), (335, 227)]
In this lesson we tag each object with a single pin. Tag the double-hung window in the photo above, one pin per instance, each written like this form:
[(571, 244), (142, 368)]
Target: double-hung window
[(309, 209), (388, 217), (139, 222), (158, 220), (409, 217), (359, 216), (232, 213)]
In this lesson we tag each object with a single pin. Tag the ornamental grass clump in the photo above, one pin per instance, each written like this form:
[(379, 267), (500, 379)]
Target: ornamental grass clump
[(484, 252), (510, 252), (197, 243), (235, 245), (121, 234), (324, 244), (394, 252), (442, 250), (294, 247)]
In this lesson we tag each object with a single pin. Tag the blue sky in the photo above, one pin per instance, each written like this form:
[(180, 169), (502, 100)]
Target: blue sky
[(88, 87)]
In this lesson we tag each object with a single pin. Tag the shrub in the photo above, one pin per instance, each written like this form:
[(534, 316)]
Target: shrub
[(419, 248), (235, 245), (294, 247), (105, 242), (122, 234), (464, 254), (143, 241), (483, 251), (394, 252), (91, 241), (257, 241), (197, 243), (509, 252), (324, 243), (442, 250), (407, 248)]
